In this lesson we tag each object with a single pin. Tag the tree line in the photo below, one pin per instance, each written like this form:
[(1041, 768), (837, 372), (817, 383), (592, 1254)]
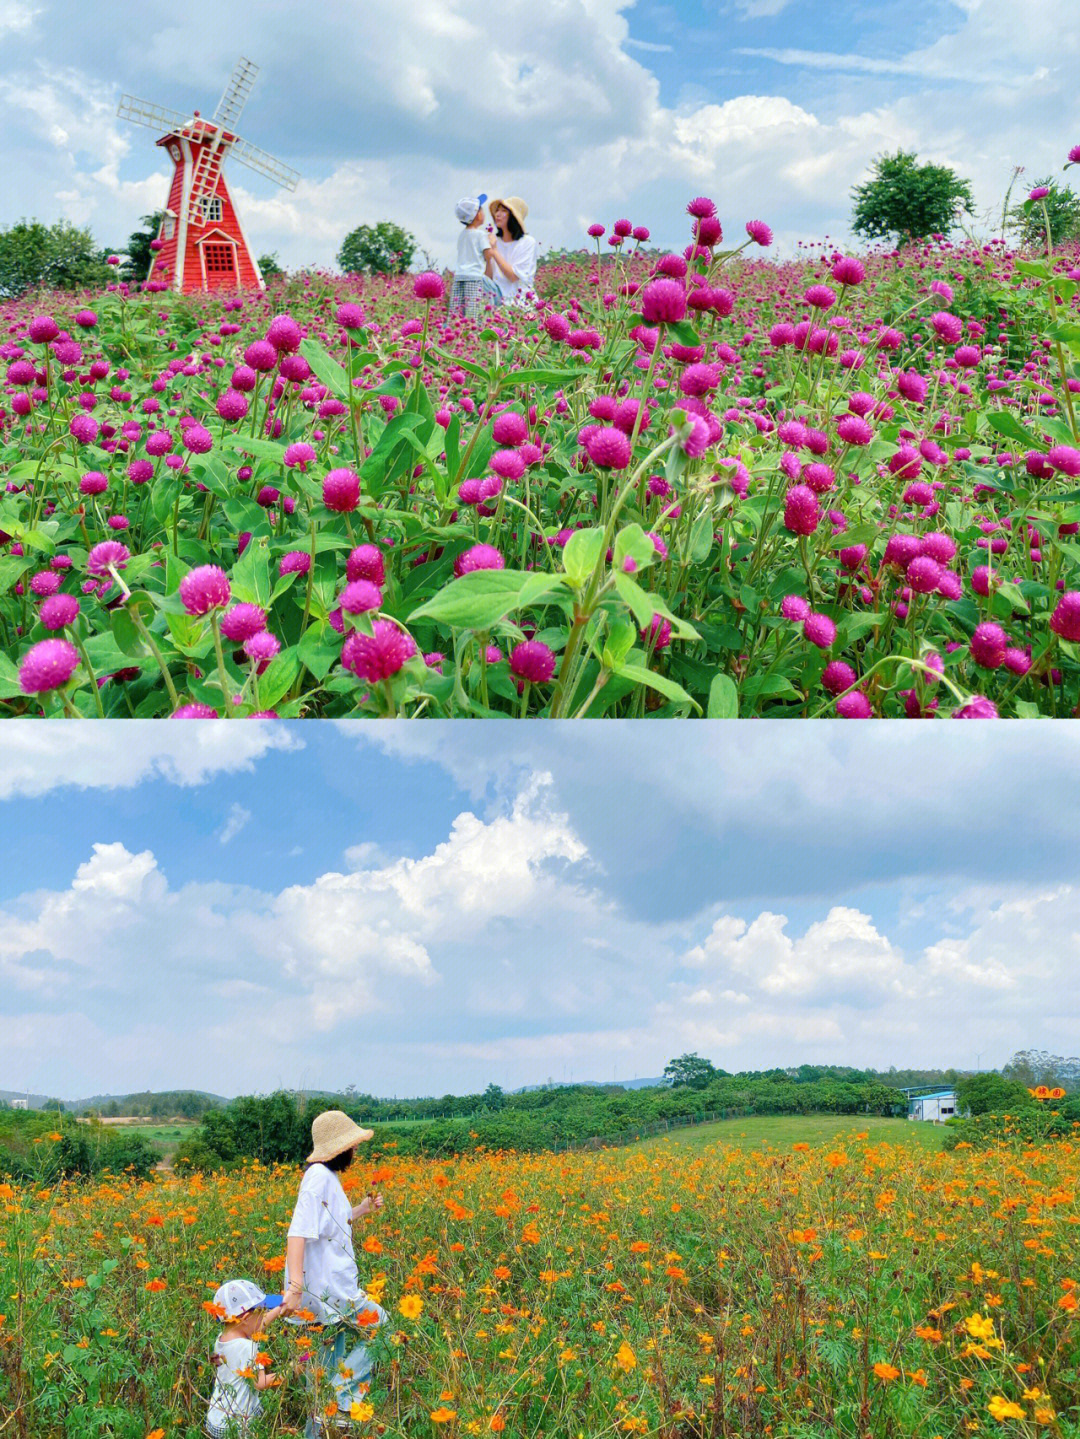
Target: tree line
[(902, 201)]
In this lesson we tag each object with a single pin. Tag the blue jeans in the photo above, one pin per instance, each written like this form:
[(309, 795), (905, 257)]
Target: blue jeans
[(340, 1369)]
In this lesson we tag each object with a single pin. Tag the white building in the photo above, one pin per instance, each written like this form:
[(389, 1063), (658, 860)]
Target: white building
[(20, 1104), (939, 1105)]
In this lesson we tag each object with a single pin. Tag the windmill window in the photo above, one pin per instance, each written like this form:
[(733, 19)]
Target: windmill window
[(219, 259), (210, 206), (168, 227)]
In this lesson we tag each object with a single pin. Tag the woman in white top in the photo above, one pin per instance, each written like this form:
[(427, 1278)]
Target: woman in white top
[(321, 1278), (514, 257)]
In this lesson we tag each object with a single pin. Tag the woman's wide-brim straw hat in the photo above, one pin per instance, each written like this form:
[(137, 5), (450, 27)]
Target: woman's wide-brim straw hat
[(332, 1133), (517, 207)]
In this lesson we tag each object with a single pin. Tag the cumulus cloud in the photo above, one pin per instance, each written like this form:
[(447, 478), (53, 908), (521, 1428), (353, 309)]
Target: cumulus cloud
[(568, 113), (237, 819), (117, 755)]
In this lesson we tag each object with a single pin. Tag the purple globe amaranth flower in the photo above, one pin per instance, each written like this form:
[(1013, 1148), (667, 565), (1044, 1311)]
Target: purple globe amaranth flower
[(759, 232), (794, 607), (299, 455), (923, 574), (350, 317), (1064, 459), (360, 596), (284, 334), (45, 583), (380, 655), (901, 549), (203, 589), (197, 439), (1065, 621), (854, 430), (108, 552), (854, 706), (294, 562), (262, 647), (947, 327), (429, 286), (84, 428), (912, 386), (242, 621), (159, 443), (820, 630), (983, 578), (820, 477), (848, 271), (194, 711), (508, 463), (663, 302), (978, 707), (838, 676), (938, 546), (595, 231), (658, 634), (988, 645), (232, 405), (607, 447), (510, 428), (820, 297), (533, 661), (58, 611), (1017, 660), (701, 207), (21, 372), (1040, 192), (366, 563), (42, 329), (341, 491), (478, 557), (47, 666), (802, 513), (261, 355)]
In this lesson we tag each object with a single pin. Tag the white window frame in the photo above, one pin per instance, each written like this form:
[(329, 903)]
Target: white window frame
[(212, 209)]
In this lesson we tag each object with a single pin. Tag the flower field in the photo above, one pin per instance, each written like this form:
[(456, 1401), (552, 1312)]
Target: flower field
[(688, 484), (852, 1288)]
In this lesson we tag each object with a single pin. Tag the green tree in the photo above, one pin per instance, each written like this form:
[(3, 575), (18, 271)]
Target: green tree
[(991, 1094), (691, 1070), (908, 200), (269, 266), (493, 1097), (60, 256), (382, 249), (1059, 210), (138, 253)]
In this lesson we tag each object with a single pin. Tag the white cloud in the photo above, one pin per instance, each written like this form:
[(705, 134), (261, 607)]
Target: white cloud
[(37, 758), (237, 819), (17, 16)]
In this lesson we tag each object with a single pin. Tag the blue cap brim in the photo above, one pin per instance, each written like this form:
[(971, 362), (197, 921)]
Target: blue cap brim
[(482, 199), (272, 1301)]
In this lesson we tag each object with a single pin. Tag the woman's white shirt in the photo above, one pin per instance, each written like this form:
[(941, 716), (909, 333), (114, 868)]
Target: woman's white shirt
[(520, 255), (234, 1397), (323, 1218)]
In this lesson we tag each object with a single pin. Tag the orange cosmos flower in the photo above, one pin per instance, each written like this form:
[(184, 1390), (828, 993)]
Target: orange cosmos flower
[(887, 1372), (443, 1416), (156, 1286), (411, 1306)]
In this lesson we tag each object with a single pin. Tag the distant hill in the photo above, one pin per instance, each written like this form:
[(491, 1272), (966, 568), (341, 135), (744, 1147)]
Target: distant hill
[(595, 1084), (34, 1101)]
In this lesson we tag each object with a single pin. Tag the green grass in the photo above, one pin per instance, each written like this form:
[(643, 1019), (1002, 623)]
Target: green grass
[(783, 1130)]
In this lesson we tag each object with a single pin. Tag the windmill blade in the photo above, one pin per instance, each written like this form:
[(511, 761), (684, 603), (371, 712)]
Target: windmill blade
[(258, 160), (145, 112), (236, 94)]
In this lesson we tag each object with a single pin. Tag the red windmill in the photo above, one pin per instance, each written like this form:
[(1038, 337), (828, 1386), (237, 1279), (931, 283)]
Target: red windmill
[(202, 243)]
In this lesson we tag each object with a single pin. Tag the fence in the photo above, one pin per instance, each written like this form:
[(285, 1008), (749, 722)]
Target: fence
[(648, 1131)]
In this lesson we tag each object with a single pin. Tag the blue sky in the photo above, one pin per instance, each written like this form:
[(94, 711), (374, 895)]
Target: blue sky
[(423, 909), (590, 109)]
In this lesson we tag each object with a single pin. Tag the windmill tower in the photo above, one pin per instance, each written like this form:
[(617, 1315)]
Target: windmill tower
[(202, 243)]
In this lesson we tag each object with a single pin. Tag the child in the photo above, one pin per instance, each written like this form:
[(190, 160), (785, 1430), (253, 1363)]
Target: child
[(321, 1280), (238, 1377), (472, 280)]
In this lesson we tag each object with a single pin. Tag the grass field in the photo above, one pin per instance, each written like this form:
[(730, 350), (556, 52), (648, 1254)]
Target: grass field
[(783, 1130)]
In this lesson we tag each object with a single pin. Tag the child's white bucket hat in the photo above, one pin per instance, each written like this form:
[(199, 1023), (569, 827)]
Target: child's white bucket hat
[(332, 1133), (238, 1296)]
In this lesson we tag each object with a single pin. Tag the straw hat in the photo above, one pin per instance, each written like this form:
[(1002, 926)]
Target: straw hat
[(515, 204), (332, 1133)]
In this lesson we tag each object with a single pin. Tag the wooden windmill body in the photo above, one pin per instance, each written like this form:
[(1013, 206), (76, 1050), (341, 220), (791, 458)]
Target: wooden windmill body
[(202, 243)]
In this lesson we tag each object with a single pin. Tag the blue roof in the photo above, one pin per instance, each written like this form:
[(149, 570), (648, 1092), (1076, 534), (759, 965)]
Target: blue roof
[(935, 1094)]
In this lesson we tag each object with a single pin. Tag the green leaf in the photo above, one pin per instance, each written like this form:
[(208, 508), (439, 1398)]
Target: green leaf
[(701, 538), (257, 449), (535, 377), (320, 649), (10, 688), (278, 678), (211, 471), (250, 576), (619, 643), (639, 675), (640, 604), (11, 567), (857, 535), (1012, 593), (1010, 427), (373, 470), (326, 369), (580, 554), (634, 543), (723, 698), (452, 445), (475, 601), (683, 333), (1036, 269)]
